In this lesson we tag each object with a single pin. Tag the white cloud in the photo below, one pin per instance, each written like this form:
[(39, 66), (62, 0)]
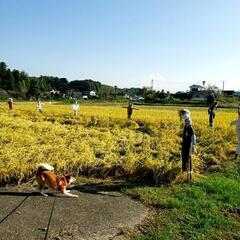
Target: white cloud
[(156, 77), (158, 81)]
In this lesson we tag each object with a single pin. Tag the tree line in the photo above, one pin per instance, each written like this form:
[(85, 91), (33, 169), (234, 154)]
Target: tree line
[(20, 85)]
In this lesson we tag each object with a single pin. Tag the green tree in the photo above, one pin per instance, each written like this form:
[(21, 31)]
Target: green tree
[(24, 84), (106, 91), (16, 77), (85, 85), (3, 70), (34, 89), (9, 80)]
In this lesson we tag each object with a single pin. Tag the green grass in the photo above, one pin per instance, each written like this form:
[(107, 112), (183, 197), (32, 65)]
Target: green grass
[(209, 208)]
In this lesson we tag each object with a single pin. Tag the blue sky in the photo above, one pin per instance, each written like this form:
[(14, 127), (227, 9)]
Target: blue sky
[(125, 42)]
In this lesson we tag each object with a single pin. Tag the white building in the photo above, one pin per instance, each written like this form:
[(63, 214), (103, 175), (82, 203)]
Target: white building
[(92, 93)]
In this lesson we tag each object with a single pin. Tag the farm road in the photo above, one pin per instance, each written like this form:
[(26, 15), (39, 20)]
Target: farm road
[(24, 214)]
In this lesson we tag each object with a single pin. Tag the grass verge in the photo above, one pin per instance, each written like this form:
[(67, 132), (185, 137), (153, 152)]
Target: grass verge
[(209, 208)]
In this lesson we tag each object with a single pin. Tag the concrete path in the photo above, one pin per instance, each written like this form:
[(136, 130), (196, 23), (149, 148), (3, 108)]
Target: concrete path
[(24, 214)]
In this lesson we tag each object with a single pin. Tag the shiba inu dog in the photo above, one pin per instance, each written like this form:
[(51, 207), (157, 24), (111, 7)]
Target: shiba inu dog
[(45, 177)]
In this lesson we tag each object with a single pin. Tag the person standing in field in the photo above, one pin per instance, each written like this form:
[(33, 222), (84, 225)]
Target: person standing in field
[(188, 142), (10, 103), (75, 108), (130, 110), (237, 124), (211, 114), (39, 106)]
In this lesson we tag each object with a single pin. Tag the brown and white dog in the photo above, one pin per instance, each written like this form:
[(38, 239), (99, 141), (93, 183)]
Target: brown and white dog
[(45, 177)]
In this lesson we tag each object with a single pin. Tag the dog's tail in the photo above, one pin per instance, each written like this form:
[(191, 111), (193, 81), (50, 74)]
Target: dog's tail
[(44, 167)]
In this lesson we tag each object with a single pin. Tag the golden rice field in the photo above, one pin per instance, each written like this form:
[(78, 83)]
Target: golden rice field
[(101, 142)]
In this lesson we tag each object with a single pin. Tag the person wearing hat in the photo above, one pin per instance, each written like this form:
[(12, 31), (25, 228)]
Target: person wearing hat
[(39, 106), (237, 124), (188, 141), (75, 108), (129, 110), (10, 103)]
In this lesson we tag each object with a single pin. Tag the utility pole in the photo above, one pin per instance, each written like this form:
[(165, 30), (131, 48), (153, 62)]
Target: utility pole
[(152, 84), (223, 87)]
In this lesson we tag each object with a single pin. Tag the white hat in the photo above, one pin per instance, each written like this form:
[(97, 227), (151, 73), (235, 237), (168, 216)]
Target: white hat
[(184, 113)]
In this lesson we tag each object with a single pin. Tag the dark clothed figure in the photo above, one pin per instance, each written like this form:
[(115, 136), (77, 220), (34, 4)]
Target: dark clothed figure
[(129, 111), (211, 114), (188, 142), (187, 139)]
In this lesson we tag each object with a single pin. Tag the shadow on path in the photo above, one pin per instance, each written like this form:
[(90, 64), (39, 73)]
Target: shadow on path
[(24, 194), (106, 188)]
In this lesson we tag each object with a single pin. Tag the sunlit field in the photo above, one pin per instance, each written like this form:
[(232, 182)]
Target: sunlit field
[(101, 142)]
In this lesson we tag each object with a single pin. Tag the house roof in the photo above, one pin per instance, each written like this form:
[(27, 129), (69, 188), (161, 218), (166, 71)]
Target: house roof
[(195, 85)]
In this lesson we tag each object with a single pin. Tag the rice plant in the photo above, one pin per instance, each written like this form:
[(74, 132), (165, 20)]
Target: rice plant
[(101, 142)]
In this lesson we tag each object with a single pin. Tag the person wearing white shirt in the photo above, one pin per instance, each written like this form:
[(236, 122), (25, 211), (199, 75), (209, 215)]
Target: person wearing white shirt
[(75, 108), (39, 106)]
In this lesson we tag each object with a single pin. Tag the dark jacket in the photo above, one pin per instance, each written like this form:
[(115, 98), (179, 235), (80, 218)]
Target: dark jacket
[(187, 139)]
